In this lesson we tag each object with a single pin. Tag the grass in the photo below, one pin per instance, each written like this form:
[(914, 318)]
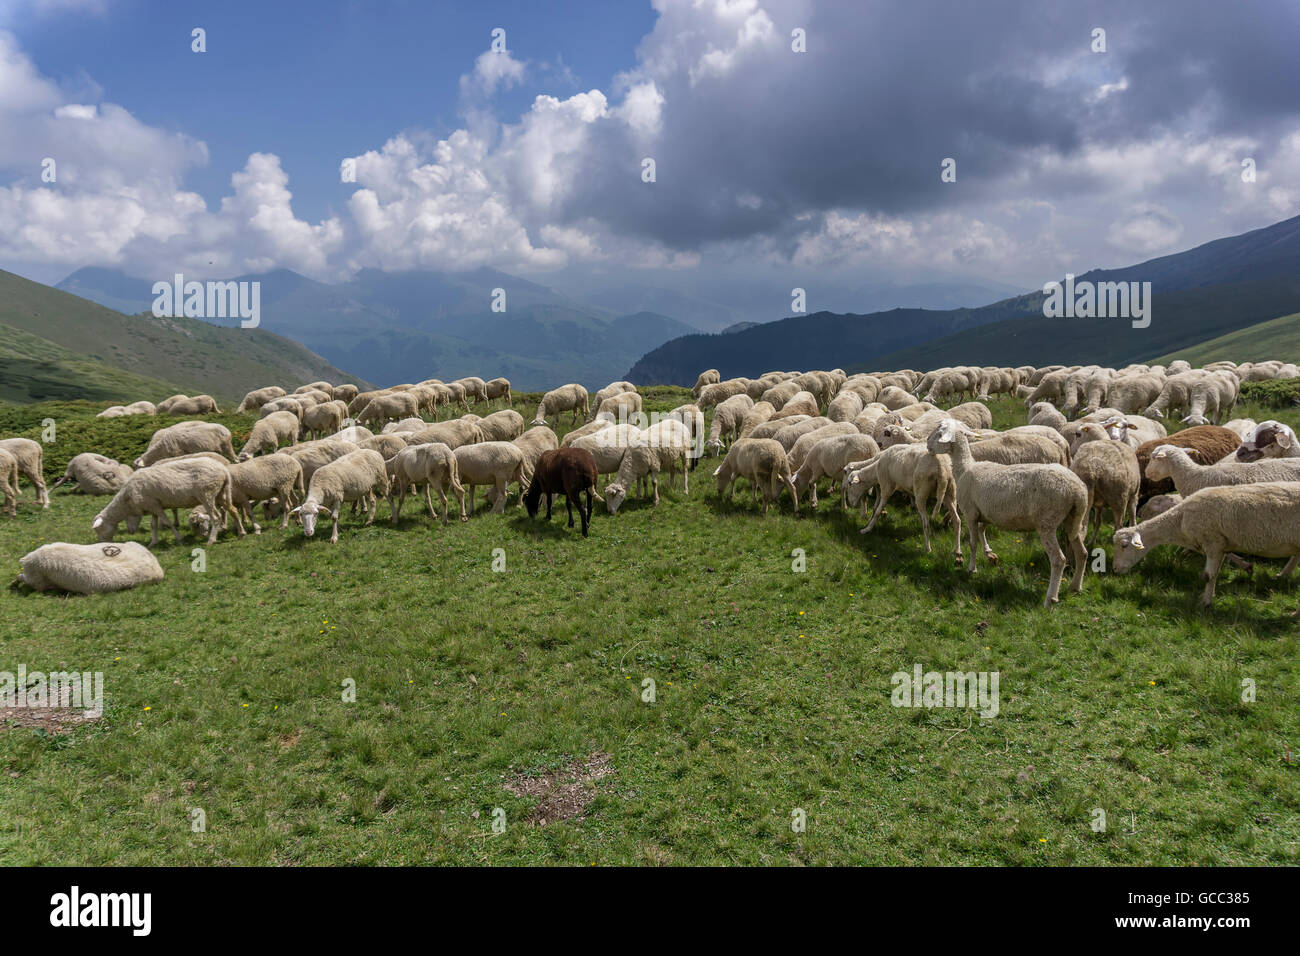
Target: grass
[(1255, 343), (224, 692)]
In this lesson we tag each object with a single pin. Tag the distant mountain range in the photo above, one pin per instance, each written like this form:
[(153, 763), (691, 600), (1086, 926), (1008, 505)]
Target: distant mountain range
[(1199, 294), (54, 345), (409, 326)]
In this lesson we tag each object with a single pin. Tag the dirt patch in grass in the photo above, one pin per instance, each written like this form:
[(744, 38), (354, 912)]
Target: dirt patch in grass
[(562, 794), (52, 720)]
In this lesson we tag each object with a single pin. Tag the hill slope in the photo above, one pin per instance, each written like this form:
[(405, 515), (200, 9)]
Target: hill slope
[(1204, 292), (64, 337), (1277, 338)]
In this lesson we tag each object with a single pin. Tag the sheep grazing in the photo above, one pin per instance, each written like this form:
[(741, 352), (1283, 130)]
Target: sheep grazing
[(30, 458), (1207, 444), (89, 568), (491, 463), (94, 474), (761, 461), (357, 476), (432, 466), (505, 425), (567, 471), (609, 391), (389, 408), (1034, 497), (802, 403), (1255, 519), (620, 407), (973, 415), (728, 416), (718, 392), (1157, 506), (259, 397), (1045, 413), (289, 403), (499, 388), (325, 418), (827, 459), (607, 447), (798, 452), (475, 388), (908, 468), (174, 485), (1270, 440), (582, 431), (276, 429), (9, 482), (1174, 463), (313, 455), (261, 479), (707, 377), (566, 398), (386, 445), (185, 439), (1110, 470), (663, 445), (453, 433), (532, 443)]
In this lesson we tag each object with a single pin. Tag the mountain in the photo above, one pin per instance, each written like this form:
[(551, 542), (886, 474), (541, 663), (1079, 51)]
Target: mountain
[(56, 345), (1199, 294), (408, 326), (1276, 338)]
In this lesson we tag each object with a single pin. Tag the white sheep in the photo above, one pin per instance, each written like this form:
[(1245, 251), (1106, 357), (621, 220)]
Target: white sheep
[(261, 479), (1271, 439), (828, 458), (1110, 470), (494, 464), (909, 468), (566, 398), (499, 388), (258, 397), (1034, 497), (1189, 477), (663, 445), (269, 433), (357, 476), (1255, 519), (94, 474), (187, 438), (432, 466), (170, 486), (763, 462), (31, 465), (89, 568), (325, 418), (9, 482), (505, 425)]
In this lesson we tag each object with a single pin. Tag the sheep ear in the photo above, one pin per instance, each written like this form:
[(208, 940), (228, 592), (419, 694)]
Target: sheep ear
[(1129, 425), (99, 519), (296, 510), (1283, 440), (322, 510), (1137, 543)]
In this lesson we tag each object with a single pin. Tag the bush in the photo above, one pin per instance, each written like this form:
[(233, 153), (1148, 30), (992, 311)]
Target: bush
[(1275, 393)]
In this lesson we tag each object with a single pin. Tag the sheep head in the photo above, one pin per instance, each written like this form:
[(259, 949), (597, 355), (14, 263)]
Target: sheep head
[(103, 529), (1272, 439), (308, 514), (1129, 549), (1158, 466), (615, 495)]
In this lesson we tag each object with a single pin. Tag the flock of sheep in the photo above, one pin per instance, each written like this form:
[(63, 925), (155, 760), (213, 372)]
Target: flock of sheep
[(1094, 440)]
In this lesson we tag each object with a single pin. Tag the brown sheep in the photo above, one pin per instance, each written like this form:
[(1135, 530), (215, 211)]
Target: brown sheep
[(1205, 444)]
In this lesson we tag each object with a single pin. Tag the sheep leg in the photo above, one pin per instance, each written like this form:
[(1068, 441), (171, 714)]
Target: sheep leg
[(1237, 561), (428, 497), (459, 491), (176, 522), (950, 507), (921, 509), (568, 507), (548, 506), (1213, 564), (395, 498), (154, 519), (446, 509), (1056, 557), (1079, 556), (500, 507), (973, 530), (654, 480), (883, 493)]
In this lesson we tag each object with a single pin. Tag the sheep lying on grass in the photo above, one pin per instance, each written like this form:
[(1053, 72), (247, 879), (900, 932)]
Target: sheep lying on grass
[(1256, 519), (1169, 461), (1270, 439), (182, 405), (909, 468), (94, 474), (357, 476), (30, 458), (432, 466), (174, 485), (1034, 497), (761, 461), (89, 568), (187, 438)]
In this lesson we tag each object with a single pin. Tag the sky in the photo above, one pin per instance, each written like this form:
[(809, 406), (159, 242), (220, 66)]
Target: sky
[(816, 164)]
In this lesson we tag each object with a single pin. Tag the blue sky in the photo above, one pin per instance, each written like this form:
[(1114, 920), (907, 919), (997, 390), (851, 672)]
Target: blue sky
[(795, 141)]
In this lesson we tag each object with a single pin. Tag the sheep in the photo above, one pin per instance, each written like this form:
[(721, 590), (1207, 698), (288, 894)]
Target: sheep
[(532, 443), (94, 474), (828, 458), (113, 411), (89, 568), (186, 438), (760, 413), (711, 395), (582, 431), (406, 425), (1035, 497), (803, 403), (1207, 444), (845, 407), (491, 463), (271, 476), (693, 419), (1255, 519), (432, 465), (607, 446), (662, 445), (728, 417), (31, 465), (707, 377), (505, 425), (1045, 413), (1172, 462), (314, 455), (350, 433), (357, 476), (1158, 506), (259, 397), (475, 388), (289, 403), (453, 434), (1017, 446), (1243, 428), (1270, 439), (174, 485), (567, 471), (620, 407), (566, 398), (763, 462), (1110, 471), (500, 388), (769, 428), (321, 386), (325, 418), (386, 445), (1132, 393), (278, 428), (798, 452), (9, 482), (610, 391), (972, 414), (906, 468), (197, 405), (777, 395), (389, 408)]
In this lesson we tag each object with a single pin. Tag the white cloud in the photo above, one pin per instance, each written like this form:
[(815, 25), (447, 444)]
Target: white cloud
[(493, 70)]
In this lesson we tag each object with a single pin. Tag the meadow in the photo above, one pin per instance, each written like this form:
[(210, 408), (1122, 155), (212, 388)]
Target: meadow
[(515, 697)]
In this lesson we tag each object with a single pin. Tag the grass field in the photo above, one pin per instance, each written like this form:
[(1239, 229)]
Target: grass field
[(224, 693), (1255, 343)]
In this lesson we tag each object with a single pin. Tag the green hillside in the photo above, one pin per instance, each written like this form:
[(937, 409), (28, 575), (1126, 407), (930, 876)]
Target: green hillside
[(59, 346), (1276, 338)]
